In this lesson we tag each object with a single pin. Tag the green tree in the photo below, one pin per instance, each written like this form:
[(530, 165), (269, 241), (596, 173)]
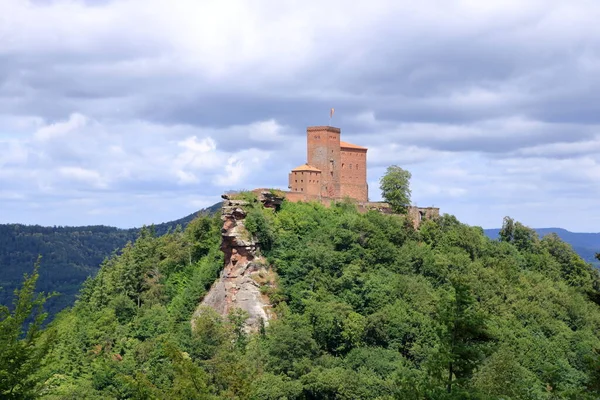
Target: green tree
[(367, 308), (520, 235), (395, 188), (21, 352), (464, 337), (507, 231), (502, 375), (190, 380)]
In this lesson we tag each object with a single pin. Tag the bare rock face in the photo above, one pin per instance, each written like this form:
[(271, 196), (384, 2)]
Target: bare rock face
[(245, 271)]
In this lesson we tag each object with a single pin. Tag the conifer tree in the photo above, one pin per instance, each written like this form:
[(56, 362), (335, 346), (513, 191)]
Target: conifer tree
[(21, 351)]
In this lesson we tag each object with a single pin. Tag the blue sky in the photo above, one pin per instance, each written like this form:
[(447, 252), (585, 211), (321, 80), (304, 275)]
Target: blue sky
[(133, 112)]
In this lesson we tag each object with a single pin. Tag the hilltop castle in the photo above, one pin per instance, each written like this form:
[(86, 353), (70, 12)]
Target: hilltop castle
[(334, 169)]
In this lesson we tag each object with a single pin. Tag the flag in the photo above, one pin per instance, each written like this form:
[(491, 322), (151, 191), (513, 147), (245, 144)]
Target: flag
[(331, 113)]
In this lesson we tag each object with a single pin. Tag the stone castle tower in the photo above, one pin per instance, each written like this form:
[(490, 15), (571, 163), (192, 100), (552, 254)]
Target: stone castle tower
[(334, 169)]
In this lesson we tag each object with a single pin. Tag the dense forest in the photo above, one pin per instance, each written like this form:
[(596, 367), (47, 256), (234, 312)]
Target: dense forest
[(367, 308), (584, 244), (68, 255)]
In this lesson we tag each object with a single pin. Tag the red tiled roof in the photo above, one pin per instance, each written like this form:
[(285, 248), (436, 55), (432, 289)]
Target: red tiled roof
[(351, 146), (307, 167)]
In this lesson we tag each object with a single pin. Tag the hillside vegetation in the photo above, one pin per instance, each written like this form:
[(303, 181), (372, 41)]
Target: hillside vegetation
[(68, 255), (584, 244), (367, 308)]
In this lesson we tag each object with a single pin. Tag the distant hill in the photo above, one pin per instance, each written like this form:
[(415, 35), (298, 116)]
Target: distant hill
[(585, 244), (69, 255), (163, 228)]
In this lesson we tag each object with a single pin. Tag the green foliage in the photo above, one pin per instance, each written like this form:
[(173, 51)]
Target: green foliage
[(366, 308), (463, 335), (258, 222), (395, 188), (70, 255), (22, 350), (501, 375)]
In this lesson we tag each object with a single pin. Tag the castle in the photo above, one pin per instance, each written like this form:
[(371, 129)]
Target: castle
[(334, 169)]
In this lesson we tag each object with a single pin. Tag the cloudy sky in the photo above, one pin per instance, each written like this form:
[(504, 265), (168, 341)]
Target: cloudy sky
[(133, 112)]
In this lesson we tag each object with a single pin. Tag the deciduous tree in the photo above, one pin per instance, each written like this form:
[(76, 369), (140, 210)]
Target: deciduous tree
[(395, 188)]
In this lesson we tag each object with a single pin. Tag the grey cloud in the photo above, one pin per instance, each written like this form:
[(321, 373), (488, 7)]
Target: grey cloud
[(491, 91)]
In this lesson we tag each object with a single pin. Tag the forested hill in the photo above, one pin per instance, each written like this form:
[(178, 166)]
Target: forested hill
[(585, 244), (69, 255), (366, 308)]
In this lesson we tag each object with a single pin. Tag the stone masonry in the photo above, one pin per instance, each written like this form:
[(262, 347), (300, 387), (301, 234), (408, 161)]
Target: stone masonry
[(334, 169)]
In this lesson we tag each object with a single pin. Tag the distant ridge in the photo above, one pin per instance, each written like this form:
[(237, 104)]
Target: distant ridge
[(163, 228), (585, 244), (69, 254)]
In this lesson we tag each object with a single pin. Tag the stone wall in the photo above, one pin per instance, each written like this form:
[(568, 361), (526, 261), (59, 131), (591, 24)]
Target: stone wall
[(417, 214), (323, 152), (354, 174), (308, 182)]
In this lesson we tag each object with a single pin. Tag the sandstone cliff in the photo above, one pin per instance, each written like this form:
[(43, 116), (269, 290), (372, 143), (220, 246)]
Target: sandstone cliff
[(245, 270)]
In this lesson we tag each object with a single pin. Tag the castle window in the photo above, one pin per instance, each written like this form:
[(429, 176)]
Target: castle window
[(356, 166), (350, 166)]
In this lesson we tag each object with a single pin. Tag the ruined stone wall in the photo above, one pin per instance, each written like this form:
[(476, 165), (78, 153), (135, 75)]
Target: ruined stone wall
[(417, 214)]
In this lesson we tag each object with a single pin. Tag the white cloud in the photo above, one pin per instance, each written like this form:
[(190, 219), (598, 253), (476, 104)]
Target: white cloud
[(93, 178), (73, 158), (76, 121), (185, 178), (266, 131)]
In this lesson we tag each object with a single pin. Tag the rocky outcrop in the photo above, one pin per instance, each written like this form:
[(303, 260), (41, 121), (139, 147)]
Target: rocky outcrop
[(245, 270)]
